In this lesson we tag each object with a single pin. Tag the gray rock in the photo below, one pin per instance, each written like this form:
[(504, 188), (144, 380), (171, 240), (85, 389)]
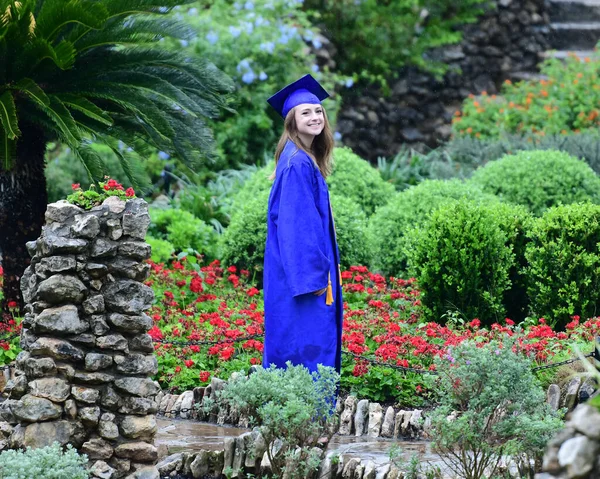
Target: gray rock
[(39, 367), (187, 399), (89, 416), (586, 390), (50, 244), (142, 342), (92, 377), (347, 416), (553, 396), (229, 450), (107, 428), (361, 417), (114, 229), (110, 399), (16, 386), (586, 420), (200, 465), (94, 304), (375, 419), (96, 270), (56, 348), (147, 472), (571, 390), (61, 212), (70, 408), (127, 296), (122, 466), (350, 467), (33, 409), (85, 226), (97, 448), (85, 395), (130, 323), (137, 386), (102, 470), (387, 428), (98, 325), (239, 455), (114, 204), (135, 427), (129, 268), (135, 249), (114, 342), (383, 471), (60, 320), (137, 405), (85, 339), (103, 248), (55, 264), (42, 434), (96, 361), (55, 389), (369, 471), (137, 451), (61, 288), (136, 219), (170, 464), (577, 455), (137, 364)]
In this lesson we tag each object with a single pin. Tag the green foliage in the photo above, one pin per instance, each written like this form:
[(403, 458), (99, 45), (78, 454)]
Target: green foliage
[(564, 263), (461, 261), (261, 45), (411, 208), (162, 251), (356, 179), (567, 101), (291, 405), (375, 39), (49, 462), (92, 71), (183, 231), (351, 231), (95, 196), (539, 180), (497, 408)]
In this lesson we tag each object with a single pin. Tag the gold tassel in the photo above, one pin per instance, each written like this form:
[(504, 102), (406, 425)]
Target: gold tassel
[(329, 299), (340, 271)]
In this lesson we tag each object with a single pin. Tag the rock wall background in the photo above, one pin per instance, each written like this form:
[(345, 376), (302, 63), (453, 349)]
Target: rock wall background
[(505, 43)]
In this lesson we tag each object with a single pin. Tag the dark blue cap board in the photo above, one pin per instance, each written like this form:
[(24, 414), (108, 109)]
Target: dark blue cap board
[(304, 90)]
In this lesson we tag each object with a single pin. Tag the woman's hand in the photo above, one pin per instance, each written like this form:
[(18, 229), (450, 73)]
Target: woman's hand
[(320, 291)]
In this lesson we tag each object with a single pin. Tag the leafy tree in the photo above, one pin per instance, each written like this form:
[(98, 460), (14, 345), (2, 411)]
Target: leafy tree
[(77, 71)]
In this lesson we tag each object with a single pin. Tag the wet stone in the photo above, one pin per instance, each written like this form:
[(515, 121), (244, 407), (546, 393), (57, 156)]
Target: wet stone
[(102, 248), (96, 361), (96, 270), (55, 264), (92, 377), (56, 348), (130, 323), (60, 320), (94, 304), (127, 296), (142, 342), (137, 250), (98, 325), (137, 364), (61, 288), (115, 342)]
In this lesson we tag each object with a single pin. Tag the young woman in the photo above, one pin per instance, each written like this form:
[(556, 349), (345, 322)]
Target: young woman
[(302, 287)]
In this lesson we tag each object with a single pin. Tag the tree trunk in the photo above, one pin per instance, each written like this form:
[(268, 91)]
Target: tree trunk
[(23, 200)]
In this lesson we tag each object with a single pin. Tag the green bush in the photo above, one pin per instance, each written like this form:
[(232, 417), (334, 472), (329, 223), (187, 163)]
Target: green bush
[(563, 275), (496, 407), (411, 208), (539, 180), (292, 407), (351, 231), (44, 463), (461, 260), (162, 251), (184, 231), (356, 179)]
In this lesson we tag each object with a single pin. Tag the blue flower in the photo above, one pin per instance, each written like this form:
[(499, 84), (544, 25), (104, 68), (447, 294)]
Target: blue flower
[(193, 11), (235, 32), (237, 6), (349, 82), (283, 39), (184, 43), (243, 65), (249, 6), (249, 27), (163, 156), (248, 77), (260, 21), (267, 47), (317, 43), (262, 76), (212, 37), (315, 68), (337, 136)]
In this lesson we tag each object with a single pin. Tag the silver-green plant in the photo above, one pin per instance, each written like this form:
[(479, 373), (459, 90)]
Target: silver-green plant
[(49, 462), (293, 409), (491, 406)]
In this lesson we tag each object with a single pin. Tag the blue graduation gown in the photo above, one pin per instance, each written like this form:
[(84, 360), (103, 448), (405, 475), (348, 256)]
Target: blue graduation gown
[(301, 256)]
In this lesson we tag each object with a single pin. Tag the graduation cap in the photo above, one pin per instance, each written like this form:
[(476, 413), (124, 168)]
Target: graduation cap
[(304, 90)]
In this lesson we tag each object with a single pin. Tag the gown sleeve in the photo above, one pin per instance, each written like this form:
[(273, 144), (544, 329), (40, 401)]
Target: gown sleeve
[(300, 232)]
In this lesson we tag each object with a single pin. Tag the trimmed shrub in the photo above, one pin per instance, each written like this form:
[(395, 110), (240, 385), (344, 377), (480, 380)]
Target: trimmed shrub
[(563, 275), (356, 179), (243, 242), (183, 230), (43, 463), (461, 260), (539, 180), (162, 251), (408, 209)]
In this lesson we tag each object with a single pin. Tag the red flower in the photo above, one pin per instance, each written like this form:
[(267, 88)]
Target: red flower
[(204, 376), (177, 369), (196, 285), (75, 186), (475, 323), (509, 322), (12, 305), (188, 363), (252, 292), (129, 192), (232, 269)]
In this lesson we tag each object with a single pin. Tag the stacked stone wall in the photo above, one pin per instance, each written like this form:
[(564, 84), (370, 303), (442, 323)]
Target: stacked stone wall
[(505, 41), (83, 377)]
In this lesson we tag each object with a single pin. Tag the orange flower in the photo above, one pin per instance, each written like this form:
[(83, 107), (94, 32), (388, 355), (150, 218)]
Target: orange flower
[(457, 113), (575, 82), (563, 132), (507, 82), (587, 59), (476, 104), (484, 93), (477, 135), (544, 93), (501, 110), (469, 130), (511, 104), (580, 75), (528, 101)]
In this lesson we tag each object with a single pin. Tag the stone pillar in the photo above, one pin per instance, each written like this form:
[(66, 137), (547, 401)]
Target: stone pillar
[(83, 376)]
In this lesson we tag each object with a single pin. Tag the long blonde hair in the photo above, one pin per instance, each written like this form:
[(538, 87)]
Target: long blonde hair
[(321, 149)]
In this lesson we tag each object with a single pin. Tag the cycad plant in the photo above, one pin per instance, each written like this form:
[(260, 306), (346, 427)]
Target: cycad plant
[(82, 71)]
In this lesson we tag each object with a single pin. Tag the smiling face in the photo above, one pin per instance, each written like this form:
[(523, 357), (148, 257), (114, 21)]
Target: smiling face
[(310, 121)]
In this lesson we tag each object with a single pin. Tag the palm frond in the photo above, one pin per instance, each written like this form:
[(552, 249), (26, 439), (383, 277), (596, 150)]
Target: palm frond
[(32, 90), (128, 7), (86, 107), (37, 50), (8, 115), (132, 168), (8, 151), (91, 161), (55, 15), (66, 128)]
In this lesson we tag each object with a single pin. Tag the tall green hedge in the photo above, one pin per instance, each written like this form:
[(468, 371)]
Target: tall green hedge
[(539, 180), (408, 209)]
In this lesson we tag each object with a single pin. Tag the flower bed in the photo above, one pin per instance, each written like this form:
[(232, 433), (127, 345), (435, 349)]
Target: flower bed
[(382, 323)]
